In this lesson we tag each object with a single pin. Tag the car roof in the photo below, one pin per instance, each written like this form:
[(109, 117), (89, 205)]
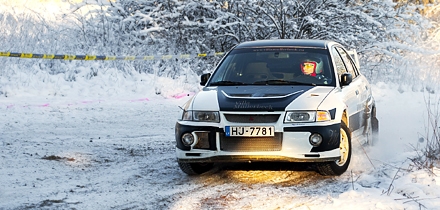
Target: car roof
[(309, 43)]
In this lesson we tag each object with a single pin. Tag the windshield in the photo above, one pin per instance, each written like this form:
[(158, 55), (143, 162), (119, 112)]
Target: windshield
[(274, 66)]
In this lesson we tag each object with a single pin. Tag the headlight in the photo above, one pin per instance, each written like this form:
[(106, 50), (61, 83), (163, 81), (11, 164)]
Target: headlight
[(307, 116), (201, 116)]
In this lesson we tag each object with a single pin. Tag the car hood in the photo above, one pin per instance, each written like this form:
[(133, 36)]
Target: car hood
[(259, 98)]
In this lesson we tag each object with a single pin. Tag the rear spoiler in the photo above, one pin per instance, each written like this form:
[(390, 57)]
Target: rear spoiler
[(355, 57)]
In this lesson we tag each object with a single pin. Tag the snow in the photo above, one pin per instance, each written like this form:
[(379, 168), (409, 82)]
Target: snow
[(115, 149)]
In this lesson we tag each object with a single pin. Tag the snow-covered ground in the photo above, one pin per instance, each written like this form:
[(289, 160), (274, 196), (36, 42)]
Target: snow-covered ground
[(83, 150)]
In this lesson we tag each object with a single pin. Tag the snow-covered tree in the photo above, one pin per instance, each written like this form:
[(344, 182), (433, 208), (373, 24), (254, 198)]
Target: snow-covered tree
[(384, 32)]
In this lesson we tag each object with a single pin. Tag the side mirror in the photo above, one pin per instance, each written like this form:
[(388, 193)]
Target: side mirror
[(346, 79), (204, 78)]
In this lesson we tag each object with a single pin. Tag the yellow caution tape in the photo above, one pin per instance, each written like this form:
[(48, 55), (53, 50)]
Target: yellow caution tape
[(69, 57), (167, 57), (90, 57), (148, 57), (51, 56), (26, 55), (130, 58), (98, 57)]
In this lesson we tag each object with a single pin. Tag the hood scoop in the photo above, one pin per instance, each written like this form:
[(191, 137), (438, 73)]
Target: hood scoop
[(239, 95), (259, 95), (274, 95)]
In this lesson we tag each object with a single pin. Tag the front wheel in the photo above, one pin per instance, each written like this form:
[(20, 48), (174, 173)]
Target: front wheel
[(338, 167), (195, 168)]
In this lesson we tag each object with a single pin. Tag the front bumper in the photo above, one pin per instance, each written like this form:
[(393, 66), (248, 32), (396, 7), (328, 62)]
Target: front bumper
[(290, 144), (254, 158)]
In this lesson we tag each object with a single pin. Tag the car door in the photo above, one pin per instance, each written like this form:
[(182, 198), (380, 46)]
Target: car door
[(352, 93)]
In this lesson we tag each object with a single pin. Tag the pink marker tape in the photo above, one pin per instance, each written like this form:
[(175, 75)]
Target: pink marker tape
[(181, 95), (141, 99)]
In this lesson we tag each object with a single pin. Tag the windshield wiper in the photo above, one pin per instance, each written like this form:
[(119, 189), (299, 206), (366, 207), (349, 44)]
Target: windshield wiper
[(281, 82), (226, 83)]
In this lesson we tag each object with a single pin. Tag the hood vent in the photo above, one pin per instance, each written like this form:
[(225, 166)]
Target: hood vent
[(273, 95), (241, 95), (256, 96)]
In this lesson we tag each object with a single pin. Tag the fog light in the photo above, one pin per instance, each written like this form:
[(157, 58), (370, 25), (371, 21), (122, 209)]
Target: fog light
[(315, 139), (187, 139)]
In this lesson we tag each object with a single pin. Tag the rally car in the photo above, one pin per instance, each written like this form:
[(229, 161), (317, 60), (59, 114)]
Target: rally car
[(280, 101)]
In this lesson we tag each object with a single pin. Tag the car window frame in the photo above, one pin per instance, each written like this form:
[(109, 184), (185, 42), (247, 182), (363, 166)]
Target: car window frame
[(346, 58), (339, 63)]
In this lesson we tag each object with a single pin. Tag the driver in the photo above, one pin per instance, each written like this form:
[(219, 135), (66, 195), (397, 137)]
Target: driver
[(312, 67)]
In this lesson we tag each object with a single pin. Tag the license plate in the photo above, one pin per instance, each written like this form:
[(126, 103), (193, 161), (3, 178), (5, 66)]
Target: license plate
[(250, 130)]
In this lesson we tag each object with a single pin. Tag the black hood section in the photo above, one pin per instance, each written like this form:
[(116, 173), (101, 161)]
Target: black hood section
[(258, 98)]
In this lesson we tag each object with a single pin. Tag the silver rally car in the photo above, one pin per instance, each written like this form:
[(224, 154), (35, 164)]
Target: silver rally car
[(278, 101)]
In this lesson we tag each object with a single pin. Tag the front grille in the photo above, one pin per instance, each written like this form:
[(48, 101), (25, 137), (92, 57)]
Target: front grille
[(251, 144), (252, 118)]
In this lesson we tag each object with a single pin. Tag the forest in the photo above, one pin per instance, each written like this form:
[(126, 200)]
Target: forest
[(397, 41)]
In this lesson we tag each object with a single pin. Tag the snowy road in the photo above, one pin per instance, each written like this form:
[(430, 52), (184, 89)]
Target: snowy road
[(114, 154), (121, 155)]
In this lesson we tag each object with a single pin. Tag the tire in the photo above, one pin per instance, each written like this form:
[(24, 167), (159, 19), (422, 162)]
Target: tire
[(338, 167), (195, 168)]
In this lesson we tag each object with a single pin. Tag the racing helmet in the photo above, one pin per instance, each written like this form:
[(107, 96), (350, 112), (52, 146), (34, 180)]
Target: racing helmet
[(312, 66)]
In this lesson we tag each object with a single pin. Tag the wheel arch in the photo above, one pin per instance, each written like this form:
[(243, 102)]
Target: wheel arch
[(344, 117)]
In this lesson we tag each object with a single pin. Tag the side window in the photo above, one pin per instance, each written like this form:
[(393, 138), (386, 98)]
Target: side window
[(340, 67), (348, 62)]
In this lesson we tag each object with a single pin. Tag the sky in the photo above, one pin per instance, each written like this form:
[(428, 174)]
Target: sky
[(107, 142)]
